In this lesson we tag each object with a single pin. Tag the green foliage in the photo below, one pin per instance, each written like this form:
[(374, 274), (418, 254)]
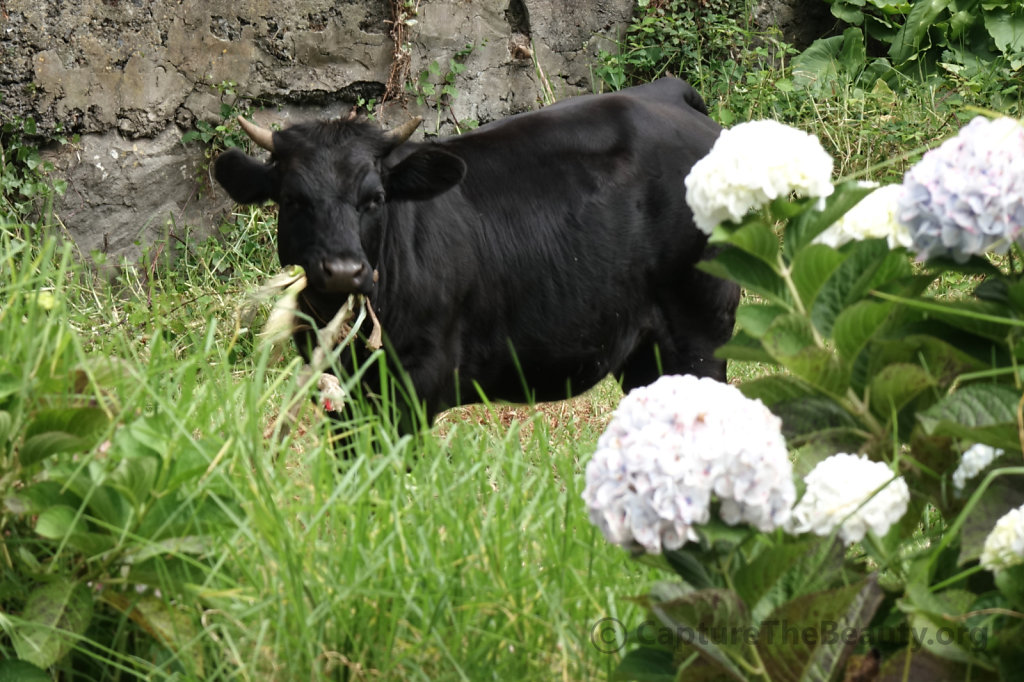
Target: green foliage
[(437, 89), (978, 45), (872, 364), (111, 514), (678, 37), (226, 134), (27, 188)]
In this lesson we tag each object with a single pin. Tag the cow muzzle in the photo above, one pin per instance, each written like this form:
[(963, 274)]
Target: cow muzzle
[(345, 276)]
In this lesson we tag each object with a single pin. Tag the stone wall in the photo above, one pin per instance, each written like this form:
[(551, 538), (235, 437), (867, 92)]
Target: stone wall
[(131, 76)]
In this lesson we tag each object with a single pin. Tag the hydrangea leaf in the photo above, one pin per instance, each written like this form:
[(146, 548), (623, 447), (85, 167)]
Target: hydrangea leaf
[(1010, 582), (848, 283), (818, 416), (743, 347), (982, 413), (810, 638), (55, 615), (711, 618), (755, 319), (788, 335), (931, 613), (686, 564), (896, 385), (904, 343), (914, 663), (777, 388), (790, 340), (811, 268), (755, 579), (804, 228), (646, 664), (755, 237), (855, 326), (749, 272)]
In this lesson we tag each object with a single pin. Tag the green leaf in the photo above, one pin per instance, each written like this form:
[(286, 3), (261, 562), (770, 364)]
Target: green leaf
[(811, 268), (820, 416), (39, 447), (755, 580), (135, 477), (810, 638), (756, 238), (932, 613), (922, 15), (896, 385), (1007, 30), (646, 664), (1010, 582), (689, 568), (818, 64), (748, 271), (855, 326), (743, 347), (53, 432), (57, 522), (983, 413), (168, 624), (787, 336), (755, 319), (790, 341), (6, 422), (777, 388), (802, 230), (848, 283), (13, 670), (56, 615), (708, 612)]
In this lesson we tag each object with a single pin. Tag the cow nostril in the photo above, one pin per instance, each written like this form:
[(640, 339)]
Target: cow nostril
[(343, 275)]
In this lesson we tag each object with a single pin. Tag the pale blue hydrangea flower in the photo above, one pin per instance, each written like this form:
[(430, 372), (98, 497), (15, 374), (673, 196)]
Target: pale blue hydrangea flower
[(671, 448), (967, 196)]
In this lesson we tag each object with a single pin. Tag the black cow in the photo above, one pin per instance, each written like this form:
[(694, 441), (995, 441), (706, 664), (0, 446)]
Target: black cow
[(526, 260)]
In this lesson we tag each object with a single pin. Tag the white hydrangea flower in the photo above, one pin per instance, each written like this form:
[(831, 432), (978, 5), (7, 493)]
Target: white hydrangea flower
[(974, 460), (966, 197), (873, 217), (752, 164), (1004, 546), (670, 448), (837, 493)]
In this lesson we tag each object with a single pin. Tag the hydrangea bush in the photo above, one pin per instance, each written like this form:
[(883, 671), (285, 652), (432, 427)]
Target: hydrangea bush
[(901, 525)]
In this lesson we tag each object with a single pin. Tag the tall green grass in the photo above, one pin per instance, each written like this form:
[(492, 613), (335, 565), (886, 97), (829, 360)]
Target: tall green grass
[(463, 555)]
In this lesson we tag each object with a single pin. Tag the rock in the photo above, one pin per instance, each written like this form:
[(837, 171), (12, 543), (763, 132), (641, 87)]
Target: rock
[(131, 76)]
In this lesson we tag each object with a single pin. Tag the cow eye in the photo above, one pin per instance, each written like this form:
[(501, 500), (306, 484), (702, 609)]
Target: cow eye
[(373, 202)]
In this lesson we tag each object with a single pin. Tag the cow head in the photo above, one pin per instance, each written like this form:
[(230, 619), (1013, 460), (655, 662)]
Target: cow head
[(333, 182)]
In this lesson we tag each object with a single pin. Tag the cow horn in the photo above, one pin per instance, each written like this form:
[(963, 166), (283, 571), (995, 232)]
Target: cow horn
[(403, 132), (261, 136)]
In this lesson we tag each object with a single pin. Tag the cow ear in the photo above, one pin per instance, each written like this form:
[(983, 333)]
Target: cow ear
[(245, 179), (424, 174)]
